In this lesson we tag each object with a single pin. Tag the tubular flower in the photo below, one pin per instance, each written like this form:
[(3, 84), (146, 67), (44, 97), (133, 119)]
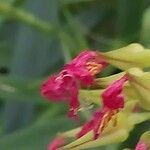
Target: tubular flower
[(113, 100), (98, 122), (79, 72), (85, 66), (56, 143), (62, 87), (141, 146), (113, 97)]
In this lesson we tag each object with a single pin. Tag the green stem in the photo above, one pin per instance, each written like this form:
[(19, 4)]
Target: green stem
[(27, 18)]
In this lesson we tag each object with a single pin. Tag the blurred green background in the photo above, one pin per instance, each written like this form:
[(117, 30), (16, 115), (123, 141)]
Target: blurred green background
[(36, 38)]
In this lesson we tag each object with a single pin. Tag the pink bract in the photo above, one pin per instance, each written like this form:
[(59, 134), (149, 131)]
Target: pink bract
[(85, 66), (88, 56), (57, 87), (113, 97)]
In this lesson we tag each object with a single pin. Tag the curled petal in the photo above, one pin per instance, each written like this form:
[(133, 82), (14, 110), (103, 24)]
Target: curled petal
[(53, 88), (112, 96), (81, 74), (86, 128)]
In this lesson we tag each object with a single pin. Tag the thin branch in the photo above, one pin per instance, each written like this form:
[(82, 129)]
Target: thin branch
[(27, 18)]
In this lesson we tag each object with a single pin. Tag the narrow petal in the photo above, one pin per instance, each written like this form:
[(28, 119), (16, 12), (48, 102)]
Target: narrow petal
[(86, 128), (112, 96), (99, 121)]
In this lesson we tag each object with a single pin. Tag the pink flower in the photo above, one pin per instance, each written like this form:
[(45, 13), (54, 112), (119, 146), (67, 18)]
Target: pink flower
[(56, 143), (79, 72), (112, 101), (112, 96), (62, 87), (57, 87), (85, 66), (141, 146), (98, 123)]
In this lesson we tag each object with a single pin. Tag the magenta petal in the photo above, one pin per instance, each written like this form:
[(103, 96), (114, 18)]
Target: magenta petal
[(51, 89), (97, 119), (83, 57), (81, 73), (86, 128), (112, 96), (62, 87), (93, 124)]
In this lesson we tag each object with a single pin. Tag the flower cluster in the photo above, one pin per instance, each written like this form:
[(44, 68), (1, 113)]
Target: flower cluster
[(80, 72), (65, 85), (113, 100), (132, 86)]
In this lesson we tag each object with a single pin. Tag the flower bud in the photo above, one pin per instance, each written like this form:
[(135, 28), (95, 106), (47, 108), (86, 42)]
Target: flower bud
[(133, 55), (144, 142)]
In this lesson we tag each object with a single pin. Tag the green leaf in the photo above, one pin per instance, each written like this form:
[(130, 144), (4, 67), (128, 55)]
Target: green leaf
[(140, 82), (133, 55), (129, 92), (91, 96), (112, 138), (105, 81), (146, 138)]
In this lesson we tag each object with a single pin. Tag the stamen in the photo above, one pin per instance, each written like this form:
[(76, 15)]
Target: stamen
[(105, 120), (93, 67)]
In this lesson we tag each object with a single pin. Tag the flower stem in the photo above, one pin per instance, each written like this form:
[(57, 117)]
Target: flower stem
[(27, 18)]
